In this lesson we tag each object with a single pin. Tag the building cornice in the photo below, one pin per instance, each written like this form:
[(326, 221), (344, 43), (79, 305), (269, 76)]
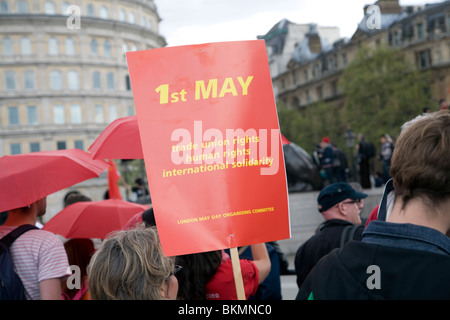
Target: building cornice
[(88, 25)]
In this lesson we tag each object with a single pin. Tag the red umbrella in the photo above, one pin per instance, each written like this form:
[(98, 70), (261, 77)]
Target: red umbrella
[(284, 140), (93, 219), (26, 178), (119, 140)]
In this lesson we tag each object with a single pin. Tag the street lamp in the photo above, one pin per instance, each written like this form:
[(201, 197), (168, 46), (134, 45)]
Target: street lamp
[(349, 138)]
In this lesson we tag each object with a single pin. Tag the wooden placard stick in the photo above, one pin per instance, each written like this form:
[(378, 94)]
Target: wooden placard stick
[(238, 281)]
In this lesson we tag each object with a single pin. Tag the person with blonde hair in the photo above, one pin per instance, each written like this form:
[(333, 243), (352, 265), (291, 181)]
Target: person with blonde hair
[(130, 265)]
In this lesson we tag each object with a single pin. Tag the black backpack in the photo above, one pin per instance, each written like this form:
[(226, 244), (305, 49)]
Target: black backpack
[(11, 287), (348, 234)]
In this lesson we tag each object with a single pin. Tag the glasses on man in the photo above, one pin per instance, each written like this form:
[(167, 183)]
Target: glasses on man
[(353, 201), (357, 201)]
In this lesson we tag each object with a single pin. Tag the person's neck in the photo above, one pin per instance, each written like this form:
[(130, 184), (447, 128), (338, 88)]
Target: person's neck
[(332, 214), (20, 217), (416, 212)]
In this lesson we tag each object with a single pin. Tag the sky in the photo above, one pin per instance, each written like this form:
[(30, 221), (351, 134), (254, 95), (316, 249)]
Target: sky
[(187, 22)]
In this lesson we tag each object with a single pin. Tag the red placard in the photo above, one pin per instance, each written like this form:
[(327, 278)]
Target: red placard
[(211, 143)]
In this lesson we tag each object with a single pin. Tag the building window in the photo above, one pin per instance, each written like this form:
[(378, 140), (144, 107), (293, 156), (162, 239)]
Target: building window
[(10, 80), (296, 102), (70, 47), (90, 10), (131, 17), (96, 80), (344, 59), (29, 80), (22, 6), (308, 98), (110, 81), (59, 116), (35, 146), (53, 46), (25, 46), (15, 148), (420, 33), (104, 12), (73, 80), (122, 15), (335, 61), (99, 115), (319, 92), (56, 80), (32, 115), (79, 144), (4, 6), (113, 113), (64, 9), (305, 75), (94, 47), (75, 113), (107, 49), (130, 110), (60, 145), (316, 70), (423, 59), (127, 82), (7, 45), (13, 116), (49, 7), (334, 88), (397, 38)]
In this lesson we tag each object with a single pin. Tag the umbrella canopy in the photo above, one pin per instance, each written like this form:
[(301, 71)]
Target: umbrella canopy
[(26, 178), (93, 219), (119, 140)]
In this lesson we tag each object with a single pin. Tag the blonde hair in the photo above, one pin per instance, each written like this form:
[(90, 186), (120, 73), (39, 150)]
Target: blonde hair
[(130, 265)]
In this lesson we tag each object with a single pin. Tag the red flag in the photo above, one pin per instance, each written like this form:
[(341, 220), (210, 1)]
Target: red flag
[(113, 179)]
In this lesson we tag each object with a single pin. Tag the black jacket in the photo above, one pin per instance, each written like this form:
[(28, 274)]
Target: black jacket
[(404, 274), (327, 238)]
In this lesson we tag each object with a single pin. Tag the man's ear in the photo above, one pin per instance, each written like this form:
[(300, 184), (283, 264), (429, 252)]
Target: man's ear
[(342, 209)]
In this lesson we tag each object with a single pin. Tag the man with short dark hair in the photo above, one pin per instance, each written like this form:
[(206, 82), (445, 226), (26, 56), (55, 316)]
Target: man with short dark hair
[(405, 254), (340, 206)]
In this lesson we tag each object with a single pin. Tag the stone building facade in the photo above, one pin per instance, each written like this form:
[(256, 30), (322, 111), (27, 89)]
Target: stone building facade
[(421, 32), (63, 70)]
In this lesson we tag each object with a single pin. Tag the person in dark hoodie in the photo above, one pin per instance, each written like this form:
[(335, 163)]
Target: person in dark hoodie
[(405, 253)]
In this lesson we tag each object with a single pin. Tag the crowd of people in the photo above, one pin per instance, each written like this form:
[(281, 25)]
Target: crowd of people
[(402, 253), (334, 167)]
